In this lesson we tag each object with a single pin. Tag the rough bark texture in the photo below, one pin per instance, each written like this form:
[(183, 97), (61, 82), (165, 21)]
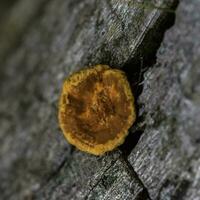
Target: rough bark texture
[(160, 158)]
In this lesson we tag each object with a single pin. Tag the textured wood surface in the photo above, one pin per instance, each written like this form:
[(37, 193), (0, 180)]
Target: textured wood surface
[(160, 158)]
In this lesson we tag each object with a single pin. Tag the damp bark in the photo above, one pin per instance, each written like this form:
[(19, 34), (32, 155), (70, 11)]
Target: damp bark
[(160, 158)]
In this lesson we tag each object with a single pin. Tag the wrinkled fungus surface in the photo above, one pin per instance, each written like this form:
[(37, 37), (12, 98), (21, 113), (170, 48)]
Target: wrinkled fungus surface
[(96, 109)]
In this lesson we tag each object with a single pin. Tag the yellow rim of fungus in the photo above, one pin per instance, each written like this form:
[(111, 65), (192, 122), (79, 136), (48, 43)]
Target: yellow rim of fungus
[(74, 80)]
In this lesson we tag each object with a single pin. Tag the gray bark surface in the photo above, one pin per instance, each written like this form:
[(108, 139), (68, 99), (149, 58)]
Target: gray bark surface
[(160, 158), (167, 157)]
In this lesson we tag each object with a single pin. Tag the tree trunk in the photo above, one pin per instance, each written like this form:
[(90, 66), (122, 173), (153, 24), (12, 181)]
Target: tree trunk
[(44, 41)]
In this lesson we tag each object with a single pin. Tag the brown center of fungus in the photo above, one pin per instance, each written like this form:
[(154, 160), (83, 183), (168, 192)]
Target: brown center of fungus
[(96, 109)]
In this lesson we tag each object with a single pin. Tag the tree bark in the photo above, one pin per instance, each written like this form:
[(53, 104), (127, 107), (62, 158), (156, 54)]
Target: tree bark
[(44, 41)]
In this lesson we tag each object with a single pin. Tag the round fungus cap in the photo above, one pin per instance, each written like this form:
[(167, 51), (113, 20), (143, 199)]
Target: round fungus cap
[(96, 109)]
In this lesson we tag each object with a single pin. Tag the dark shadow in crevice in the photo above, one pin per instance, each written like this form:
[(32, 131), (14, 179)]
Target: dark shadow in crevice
[(130, 142), (143, 195), (143, 59), (133, 137)]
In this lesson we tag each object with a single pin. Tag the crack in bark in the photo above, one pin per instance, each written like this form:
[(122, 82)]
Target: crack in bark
[(100, 179), (144, 194), (154, 39), (133, 174)]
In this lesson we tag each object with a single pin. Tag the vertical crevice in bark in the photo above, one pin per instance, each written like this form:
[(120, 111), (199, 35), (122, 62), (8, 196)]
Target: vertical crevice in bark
[(144, 58)]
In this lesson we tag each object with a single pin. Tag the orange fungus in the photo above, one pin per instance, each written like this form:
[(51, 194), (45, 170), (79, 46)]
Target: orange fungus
[(96, 109)]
